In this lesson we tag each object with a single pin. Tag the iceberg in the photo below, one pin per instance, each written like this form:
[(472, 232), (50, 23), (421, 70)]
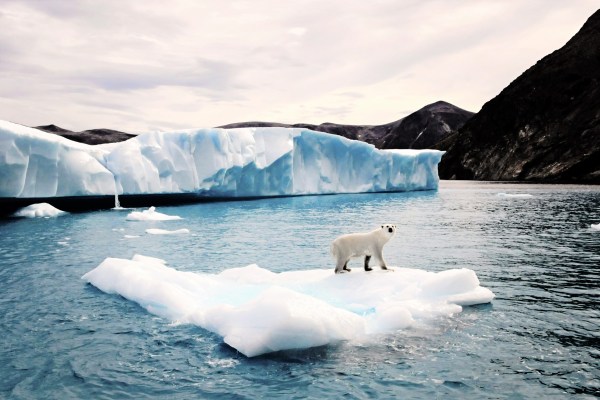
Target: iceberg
[(214, 163), (257, 311)]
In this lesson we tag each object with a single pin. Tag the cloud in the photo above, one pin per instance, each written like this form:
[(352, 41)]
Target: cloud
[(209, 63)]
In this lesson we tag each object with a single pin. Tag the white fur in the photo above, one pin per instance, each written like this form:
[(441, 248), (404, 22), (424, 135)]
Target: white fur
[(369, 244)]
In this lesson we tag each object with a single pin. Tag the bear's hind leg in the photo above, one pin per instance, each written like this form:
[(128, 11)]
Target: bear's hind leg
[(346, 267), (339, 268), (367, 268)]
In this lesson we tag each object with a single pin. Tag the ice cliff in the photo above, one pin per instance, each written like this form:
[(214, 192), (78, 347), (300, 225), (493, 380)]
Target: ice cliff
[(244, 162)]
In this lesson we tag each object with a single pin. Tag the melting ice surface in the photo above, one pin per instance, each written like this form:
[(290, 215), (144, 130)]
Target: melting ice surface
[(246, 162), (257, 311), (39, 210)]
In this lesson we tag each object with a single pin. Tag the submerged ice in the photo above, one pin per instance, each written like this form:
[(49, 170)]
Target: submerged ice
[(245, 162), (257, 311)]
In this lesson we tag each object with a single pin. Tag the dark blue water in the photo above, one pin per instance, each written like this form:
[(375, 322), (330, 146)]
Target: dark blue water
[(540, 337)]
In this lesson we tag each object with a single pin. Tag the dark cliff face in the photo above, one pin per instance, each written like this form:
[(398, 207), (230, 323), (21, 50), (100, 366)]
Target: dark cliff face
[(92, 136), (545, 126), (419, 130)]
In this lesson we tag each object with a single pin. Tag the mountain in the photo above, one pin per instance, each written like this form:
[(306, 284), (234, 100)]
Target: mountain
[(544, 126), (92, 136), (419, 130), (424, 128)]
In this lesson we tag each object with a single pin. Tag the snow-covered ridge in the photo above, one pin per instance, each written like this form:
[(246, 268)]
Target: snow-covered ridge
[(244, 162)]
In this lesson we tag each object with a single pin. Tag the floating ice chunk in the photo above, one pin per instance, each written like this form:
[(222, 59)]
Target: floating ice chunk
[(39, 210), (595, 227), (150, 215), (156, 231), (258, 311), (131, 236), (515, 195)]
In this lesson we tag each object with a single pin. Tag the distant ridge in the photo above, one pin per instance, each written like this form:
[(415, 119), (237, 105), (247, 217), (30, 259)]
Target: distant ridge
[(419, 130), (91, 136), (545, 126)]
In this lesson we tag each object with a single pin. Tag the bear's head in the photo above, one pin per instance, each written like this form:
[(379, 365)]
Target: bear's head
[(389, 229)]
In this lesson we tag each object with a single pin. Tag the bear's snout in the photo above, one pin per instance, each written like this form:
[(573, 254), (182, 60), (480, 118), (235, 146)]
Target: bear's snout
[(390, 230)]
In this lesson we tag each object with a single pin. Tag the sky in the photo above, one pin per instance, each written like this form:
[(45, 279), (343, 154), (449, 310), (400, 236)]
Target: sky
[(148, 65)]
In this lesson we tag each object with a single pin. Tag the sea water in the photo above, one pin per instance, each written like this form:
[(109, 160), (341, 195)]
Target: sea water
[(539, 338)]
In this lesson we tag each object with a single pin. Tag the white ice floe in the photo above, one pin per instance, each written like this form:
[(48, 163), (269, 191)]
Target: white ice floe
[(515, 195), (257, 311), (156, 231), (39, 210), (244, 162), (150, 215), (595, 227)]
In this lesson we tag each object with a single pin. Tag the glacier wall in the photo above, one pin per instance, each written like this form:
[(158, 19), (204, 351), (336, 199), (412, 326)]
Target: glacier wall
[(245, 162)]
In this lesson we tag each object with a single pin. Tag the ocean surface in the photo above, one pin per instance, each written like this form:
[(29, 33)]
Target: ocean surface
[(539, 338)]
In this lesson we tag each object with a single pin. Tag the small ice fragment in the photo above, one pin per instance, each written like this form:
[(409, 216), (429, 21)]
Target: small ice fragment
[(150, 215), (39, 210), (595, 227), (156, 231), (515, 195)]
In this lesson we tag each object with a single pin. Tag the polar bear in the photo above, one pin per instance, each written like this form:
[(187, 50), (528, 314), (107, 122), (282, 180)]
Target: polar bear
[(369, 244)]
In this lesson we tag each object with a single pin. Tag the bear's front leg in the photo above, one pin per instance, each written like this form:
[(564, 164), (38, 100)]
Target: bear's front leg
[(367, 268), (382, 263)]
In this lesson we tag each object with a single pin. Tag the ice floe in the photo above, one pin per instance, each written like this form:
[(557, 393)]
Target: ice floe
[(257, 311)]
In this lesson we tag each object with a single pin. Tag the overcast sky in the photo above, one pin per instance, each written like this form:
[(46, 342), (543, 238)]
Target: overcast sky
[(160, 65)]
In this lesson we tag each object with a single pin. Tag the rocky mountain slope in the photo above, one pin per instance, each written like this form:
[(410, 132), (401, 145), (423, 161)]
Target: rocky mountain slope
[(545, 126), (419, 130)]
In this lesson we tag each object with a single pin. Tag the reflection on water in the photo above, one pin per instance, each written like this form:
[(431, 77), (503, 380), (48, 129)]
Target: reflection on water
[(539, 338)]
